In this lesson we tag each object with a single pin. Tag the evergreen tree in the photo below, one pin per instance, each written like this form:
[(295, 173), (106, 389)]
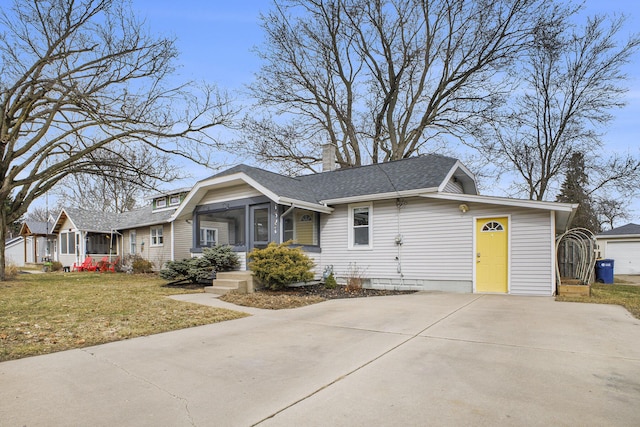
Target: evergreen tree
[(573, 190)]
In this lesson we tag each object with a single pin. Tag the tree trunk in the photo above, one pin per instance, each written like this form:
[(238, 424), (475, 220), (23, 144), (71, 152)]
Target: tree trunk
[(3, 244)]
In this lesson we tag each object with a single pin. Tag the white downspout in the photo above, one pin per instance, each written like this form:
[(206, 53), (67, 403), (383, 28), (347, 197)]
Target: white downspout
[(173, 241)]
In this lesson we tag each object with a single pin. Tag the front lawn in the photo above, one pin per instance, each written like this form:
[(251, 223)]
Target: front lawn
[(45, 313), (627, 296)]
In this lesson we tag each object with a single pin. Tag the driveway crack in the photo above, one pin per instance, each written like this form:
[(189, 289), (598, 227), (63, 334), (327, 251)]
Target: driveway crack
[(183, 400)]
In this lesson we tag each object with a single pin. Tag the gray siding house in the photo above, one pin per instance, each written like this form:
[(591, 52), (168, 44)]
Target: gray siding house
[(149, 232), (622, 244), (416, 223)]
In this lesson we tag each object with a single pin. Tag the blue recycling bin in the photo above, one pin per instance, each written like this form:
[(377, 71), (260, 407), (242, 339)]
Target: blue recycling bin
[(604, 271)]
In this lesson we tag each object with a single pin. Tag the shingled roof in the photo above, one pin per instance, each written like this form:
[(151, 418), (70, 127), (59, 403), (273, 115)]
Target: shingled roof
[(625, 230), (37, 228), (105, 222), (425, 172)]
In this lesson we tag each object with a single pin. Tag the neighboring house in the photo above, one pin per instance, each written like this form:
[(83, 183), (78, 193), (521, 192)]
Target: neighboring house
[(416, 223), (36, 243), (84, 233), (14, 251), (40, 241), (621, 244), (148, 232)]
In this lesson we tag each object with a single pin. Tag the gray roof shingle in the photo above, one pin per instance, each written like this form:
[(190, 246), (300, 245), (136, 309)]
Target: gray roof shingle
[(400, 175), (92, 220), (105, 222), (624, 230), (39, 227)]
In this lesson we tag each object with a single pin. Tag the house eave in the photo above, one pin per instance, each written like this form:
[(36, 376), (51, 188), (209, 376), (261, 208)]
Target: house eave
[(304, 205), (617, 236), (202, 187), (464, 175), (380, 196), (564, 212), (532, 204)]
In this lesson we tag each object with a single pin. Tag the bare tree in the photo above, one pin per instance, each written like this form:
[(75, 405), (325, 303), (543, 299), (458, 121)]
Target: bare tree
[(611, 211), (39, 213), (572, 81), (380, 80), (126, 172), (79, 76)]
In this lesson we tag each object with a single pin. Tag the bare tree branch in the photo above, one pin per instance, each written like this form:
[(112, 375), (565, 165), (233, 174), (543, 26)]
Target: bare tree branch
[(79, 76)]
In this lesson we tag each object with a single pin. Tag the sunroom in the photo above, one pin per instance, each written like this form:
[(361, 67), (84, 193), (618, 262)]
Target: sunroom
[(246, 225)]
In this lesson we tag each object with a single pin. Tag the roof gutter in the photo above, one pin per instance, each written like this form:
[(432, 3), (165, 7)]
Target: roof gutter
[(380, 196), (304, 205), (535, 204)]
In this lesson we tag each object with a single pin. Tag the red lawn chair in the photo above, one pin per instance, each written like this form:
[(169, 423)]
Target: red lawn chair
[(87, 265)]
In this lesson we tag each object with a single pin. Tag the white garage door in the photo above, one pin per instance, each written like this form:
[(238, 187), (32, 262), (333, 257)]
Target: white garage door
[(626, 256)]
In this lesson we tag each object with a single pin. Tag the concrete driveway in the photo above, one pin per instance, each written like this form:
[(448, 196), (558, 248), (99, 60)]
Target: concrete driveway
[(420, 359)]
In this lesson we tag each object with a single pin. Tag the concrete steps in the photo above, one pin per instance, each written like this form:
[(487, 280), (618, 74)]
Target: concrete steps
[(231, 281)]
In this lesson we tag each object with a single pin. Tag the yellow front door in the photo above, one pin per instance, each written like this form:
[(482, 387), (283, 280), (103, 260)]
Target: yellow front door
[(492, 255)]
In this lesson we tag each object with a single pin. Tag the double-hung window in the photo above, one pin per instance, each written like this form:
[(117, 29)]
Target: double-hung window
[(156, 236), (360, 226)]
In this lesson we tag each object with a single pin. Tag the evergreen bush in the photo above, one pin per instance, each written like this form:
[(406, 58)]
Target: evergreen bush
[(330, 282), (200, 269), (277, 266)]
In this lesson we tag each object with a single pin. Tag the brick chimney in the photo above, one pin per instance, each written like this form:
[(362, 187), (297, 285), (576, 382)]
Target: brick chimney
[(328, 157)]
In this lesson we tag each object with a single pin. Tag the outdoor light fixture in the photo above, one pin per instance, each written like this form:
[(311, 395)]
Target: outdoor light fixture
[(463, 208)]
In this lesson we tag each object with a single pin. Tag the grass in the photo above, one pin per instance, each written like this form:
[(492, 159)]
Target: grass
[(627, 296), (45, 313), (271, 301)]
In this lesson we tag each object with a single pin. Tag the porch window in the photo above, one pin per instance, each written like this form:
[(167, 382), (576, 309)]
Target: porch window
[(223, 227), (301, 227), (360, 224), (156, 236), (100, 244), (67, 243), (208, 237)]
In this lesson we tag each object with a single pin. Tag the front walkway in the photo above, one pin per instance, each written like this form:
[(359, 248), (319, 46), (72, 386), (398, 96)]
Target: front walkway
[(420, 359)]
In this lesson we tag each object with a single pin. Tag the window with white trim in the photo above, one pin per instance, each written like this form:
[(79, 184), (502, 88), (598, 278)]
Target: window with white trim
[(156, 236), (161, 203), (208, 237), (132, 241), (174, 200), (360, 226), (67, 243)]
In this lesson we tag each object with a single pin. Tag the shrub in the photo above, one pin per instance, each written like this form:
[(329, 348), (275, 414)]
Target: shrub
[(277, 266), (355, 277), (11, 271), (56, 266), (175, 269), (141, 265), (221, 257), (330, 282), (200, 269)]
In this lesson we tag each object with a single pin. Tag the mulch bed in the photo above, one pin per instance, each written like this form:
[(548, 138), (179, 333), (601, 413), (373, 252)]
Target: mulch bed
[(301, 295), (338, 292)]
